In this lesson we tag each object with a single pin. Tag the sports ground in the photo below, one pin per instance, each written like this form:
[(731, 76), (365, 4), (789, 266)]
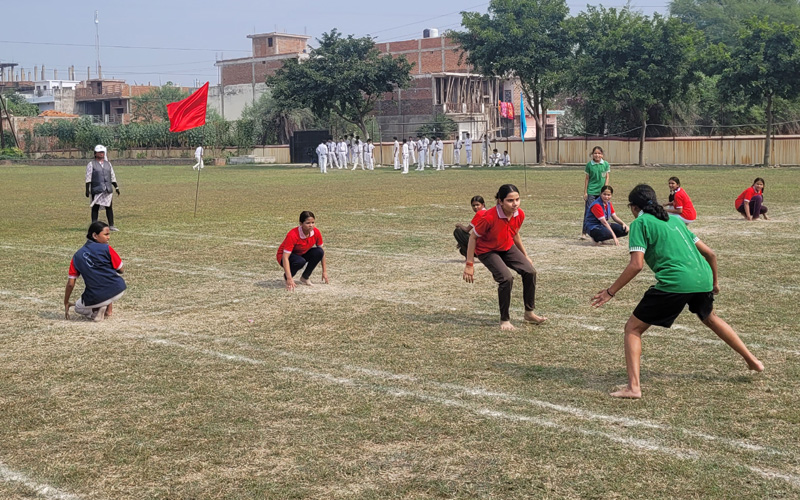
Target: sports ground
[(393, 381)]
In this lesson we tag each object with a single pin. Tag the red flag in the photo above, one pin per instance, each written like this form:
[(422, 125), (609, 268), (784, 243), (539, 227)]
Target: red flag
[(510, 111), (190, 112)]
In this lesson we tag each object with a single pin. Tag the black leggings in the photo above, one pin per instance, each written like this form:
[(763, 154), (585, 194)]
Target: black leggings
[(109, 214)]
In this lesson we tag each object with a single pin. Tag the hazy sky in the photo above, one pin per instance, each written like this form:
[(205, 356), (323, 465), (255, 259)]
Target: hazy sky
[(178, 40)]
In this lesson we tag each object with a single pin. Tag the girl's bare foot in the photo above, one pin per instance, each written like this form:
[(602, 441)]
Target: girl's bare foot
[(765, 216), (531, 317), (627, 393), (306, 281), (507, 326), (756, 366)]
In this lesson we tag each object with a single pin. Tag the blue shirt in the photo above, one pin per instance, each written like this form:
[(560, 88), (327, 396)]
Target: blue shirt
[(93, 262)]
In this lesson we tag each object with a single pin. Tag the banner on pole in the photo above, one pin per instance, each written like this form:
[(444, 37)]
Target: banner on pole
[(190, 112)]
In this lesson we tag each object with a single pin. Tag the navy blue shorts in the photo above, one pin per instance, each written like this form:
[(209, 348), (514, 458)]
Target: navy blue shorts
[(662, 308)]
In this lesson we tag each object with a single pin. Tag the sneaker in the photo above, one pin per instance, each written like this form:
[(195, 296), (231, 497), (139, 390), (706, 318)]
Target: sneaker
[(113, 228)]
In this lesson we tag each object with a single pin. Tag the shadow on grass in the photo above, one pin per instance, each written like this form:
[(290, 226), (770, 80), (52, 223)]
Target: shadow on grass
[(272, 284), (570, 375)]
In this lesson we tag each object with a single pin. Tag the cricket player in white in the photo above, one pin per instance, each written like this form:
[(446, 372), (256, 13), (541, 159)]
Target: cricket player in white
[(468, 149), (342, 150), (368, 148), (396, 154), (426, 148), (405, 157), (198, 155), (357, 150), (332, 161), (322, 157), (412, 148), (457, 153), (422, 152), (439, 154)]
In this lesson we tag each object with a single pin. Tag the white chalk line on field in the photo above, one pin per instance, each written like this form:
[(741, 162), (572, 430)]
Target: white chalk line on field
[(10, 476), (643, 444), (577, 412)]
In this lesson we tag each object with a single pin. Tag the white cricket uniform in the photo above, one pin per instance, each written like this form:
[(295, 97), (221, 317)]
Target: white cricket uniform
[(412, 148), (405, 158), (468, 149), (332, 161), (495, 159), (457, 153), (351, 144), (198, 155), (506, 160), (357, 158), (422, 154), (342, 149), (368, 159), (439, 155), (426, 146), (322, 158), (396, 154)]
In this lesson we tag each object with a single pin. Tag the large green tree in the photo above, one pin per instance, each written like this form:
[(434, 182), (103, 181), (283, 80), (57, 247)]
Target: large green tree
[(627, 61), (721, 20), (274, 123), (763, 66), (526, 39), (342, 76), (18, 105)]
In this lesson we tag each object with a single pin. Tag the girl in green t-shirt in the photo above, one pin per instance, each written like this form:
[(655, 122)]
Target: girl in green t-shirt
[(598, 174), (681, 264)]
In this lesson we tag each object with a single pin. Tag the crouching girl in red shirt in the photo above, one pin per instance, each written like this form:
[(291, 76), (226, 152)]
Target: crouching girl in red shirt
[(302, 247), (495, 240)]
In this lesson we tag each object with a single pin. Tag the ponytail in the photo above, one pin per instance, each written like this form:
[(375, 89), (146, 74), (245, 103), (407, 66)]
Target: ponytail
[(644, 197)]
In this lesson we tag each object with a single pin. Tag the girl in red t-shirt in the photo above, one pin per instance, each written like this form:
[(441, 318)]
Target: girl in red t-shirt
[(495, 240), (461, 232), (679, 205), (750, 202), (302, 247)]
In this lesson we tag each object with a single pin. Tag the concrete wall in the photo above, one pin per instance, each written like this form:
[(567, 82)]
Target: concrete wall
[(231, 103)]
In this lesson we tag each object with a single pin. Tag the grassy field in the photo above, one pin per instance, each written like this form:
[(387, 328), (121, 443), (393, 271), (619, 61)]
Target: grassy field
[(393, 381)]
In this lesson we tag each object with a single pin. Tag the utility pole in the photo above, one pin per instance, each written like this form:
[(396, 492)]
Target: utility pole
[(97, 42)]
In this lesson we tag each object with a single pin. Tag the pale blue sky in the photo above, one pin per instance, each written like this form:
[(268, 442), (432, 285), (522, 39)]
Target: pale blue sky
[(179, 40)]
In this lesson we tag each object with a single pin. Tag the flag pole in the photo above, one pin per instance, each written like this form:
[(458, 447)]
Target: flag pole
[(197, 192)]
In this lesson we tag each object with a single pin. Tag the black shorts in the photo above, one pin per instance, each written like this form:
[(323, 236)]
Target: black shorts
[(662, 308)]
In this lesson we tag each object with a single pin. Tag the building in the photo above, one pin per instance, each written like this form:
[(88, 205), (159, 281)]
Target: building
[(53, 95), (241, 81)]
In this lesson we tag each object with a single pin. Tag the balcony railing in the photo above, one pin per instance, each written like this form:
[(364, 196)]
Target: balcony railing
[(110, 91)]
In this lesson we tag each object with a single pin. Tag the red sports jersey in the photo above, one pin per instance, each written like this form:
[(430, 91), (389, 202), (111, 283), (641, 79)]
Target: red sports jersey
[(681, 200), (478, 216), (298, 243), (746, 196), (115, 261), (495, 231)]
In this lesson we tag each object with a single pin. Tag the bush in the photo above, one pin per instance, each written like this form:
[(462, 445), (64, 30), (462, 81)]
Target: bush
[(11, 153)]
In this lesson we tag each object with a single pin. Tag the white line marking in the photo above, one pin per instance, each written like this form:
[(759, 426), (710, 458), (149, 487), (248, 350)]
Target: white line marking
[(9, 476)]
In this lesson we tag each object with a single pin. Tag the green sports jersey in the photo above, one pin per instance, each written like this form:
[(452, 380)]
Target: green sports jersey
[(670, 251), (597, 176)]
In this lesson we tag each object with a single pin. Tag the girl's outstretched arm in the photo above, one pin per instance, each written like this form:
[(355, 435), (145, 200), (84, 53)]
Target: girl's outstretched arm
[(67, 295), (634, 267), (290, 284), (711, 258), (469, 267)]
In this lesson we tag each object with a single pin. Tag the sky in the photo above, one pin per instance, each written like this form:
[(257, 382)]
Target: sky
[(148, 41)]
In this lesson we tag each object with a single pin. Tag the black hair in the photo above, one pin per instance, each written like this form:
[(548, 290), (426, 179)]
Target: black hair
[(95, 227), (677, 181), (477, 198), (305, 214), (606, 187), (597, 148), (762, 182), (395, 138), (644, 197), (504, 191)]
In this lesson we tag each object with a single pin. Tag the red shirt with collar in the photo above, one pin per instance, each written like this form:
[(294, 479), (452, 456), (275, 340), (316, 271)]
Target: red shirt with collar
[(478, 216), (746, 196), (597, 210), (298, 243), (681, 199), (495, 231)]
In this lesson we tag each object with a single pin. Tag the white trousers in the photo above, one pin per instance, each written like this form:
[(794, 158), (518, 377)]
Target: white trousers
[(85, 310), (357, 159), (439, 160), (342, 160), (469, 156), (456, 156), (323, 164), (405, 164), (199, 165), (413, 156), (423, 156), (396, 160), (332, 160), (369, 161)]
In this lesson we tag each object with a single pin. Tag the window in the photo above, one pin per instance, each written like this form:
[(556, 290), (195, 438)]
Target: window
[(269, 42)]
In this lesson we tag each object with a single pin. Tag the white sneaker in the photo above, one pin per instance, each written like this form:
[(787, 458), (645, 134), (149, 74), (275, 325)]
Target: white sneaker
[(113, 228)]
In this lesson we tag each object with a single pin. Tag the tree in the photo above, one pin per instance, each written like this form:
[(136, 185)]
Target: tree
[(526, 39), (441, 126), (19, 106), (721, 20), (343, 76), (628, 61), (764, 66), (274, 123), (152, 105)]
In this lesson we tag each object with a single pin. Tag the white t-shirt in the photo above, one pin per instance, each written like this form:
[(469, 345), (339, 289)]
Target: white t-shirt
[(198, 153)]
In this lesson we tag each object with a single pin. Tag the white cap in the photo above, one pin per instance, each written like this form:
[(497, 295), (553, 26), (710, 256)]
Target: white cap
[(100, 148)]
